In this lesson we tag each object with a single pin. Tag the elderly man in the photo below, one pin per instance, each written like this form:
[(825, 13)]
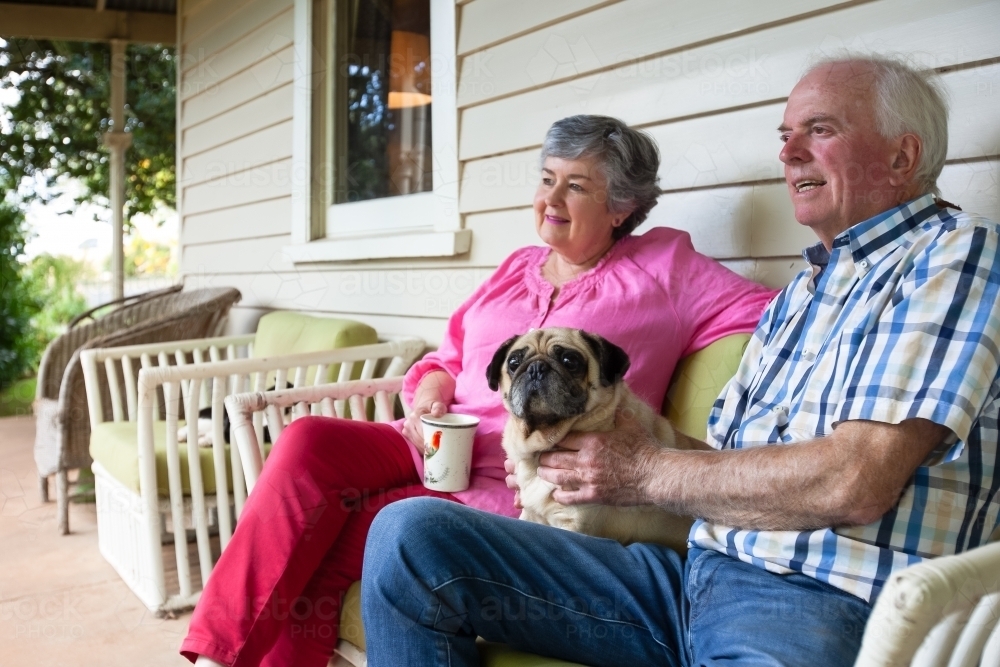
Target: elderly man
[(880, 365)]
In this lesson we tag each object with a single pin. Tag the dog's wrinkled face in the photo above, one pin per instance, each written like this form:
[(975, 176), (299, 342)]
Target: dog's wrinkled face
[(549, 375)]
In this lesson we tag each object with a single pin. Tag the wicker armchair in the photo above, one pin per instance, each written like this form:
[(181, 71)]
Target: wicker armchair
[(63, 425)]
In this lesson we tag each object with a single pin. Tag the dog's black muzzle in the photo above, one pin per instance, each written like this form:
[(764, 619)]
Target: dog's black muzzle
[(542, 395)]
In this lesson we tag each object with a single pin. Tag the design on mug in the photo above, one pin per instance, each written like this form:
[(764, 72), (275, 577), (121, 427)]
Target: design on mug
[(429, 478), (435, 444)]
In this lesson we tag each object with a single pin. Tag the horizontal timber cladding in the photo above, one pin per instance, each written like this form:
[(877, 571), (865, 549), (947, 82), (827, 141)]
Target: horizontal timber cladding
[(765, 66), (204, 69), (273, 107), (738, 147), (612, 36)]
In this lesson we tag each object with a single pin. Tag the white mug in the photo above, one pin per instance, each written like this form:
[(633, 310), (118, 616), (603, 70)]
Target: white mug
[(448, 451)]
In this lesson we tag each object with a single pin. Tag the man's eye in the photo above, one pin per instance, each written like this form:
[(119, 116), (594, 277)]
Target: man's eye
[(784, 138), (513, 363)]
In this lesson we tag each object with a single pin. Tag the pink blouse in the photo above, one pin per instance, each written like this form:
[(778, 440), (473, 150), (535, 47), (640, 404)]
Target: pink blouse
[(653, 295)]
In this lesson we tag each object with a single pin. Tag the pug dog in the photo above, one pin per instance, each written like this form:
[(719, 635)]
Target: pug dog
[(559, 380)]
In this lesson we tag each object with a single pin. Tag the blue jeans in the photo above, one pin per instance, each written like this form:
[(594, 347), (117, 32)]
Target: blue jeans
[(437, 574)]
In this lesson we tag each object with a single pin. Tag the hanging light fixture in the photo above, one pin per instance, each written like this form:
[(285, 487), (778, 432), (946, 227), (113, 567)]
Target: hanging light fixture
[(409, 70)]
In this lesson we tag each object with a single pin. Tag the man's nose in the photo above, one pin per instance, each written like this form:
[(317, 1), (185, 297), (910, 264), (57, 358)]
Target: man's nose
[(793, 150)]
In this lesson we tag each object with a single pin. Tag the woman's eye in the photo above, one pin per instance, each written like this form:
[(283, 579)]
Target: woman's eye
[(513, 363), (575, 187)]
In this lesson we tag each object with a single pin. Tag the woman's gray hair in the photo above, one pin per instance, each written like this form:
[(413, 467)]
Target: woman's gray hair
[(628, 159), (907, 101)]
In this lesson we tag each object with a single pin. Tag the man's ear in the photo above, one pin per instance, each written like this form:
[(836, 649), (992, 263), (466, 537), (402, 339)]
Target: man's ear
[(495, 368), (611, 359), (906, 160)]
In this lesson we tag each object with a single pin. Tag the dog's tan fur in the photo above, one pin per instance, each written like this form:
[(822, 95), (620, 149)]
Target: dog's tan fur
[(605, 397)]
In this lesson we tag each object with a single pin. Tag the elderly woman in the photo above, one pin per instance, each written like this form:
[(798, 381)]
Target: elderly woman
[(274, 598)]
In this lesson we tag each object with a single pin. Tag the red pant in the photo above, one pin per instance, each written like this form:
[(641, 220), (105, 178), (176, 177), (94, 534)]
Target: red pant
[(274, 597)]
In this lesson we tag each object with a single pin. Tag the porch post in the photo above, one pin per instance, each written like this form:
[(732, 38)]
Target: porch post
[(118, 141)]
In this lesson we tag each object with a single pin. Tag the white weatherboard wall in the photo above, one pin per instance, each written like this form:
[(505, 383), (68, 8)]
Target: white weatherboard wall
[(708, 80)]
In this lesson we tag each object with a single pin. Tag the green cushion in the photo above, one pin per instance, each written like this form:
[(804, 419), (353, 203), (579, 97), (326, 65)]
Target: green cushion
[(283, 332), (698, 380), (115, 445)]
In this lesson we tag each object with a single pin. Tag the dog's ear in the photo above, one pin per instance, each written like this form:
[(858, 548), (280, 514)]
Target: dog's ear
[(495, 368), (611, 359)]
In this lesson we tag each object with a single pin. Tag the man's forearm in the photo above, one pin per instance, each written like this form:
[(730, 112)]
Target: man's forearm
[(766, 488), (849, 478)]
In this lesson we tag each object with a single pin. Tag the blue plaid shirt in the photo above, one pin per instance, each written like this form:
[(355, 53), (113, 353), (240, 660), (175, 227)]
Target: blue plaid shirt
[(900, 319)]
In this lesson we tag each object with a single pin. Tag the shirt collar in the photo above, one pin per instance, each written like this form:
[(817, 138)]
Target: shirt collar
[(873, 239)]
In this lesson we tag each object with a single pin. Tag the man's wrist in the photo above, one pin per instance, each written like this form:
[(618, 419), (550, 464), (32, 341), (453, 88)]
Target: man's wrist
[(657, 487)]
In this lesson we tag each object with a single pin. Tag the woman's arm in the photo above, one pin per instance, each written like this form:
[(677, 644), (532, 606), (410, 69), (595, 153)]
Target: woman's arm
[(433, 395)]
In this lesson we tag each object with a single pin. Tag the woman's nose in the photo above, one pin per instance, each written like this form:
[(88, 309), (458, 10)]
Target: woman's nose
[(555, 195)]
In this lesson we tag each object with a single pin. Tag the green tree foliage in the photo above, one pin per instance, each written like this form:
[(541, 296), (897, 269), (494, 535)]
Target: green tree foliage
[(52, 280), (55, 129), (18, 306)]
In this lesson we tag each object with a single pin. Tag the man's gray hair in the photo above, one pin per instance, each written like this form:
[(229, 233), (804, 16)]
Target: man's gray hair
[(628, 159), (907, 101)]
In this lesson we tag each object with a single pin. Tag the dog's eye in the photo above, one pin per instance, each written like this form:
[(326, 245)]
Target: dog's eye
[(513, 363), (571, 361)]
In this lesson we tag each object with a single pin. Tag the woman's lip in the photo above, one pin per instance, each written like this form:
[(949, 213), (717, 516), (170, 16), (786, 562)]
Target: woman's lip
[(555, 221)]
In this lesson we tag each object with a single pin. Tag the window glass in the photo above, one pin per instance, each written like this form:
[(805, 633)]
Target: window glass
[(384, 143)]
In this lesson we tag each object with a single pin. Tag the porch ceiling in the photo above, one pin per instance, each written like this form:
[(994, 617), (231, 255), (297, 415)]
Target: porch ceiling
[(147, 21)]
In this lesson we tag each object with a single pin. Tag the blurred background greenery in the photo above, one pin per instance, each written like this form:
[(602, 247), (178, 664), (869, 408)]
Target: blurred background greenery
[(51, 127)]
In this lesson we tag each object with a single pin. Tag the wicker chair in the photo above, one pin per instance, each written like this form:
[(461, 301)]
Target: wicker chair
[(62, 437)]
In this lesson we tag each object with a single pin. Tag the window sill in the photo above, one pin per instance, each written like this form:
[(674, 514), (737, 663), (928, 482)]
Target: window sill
[(394, 246)]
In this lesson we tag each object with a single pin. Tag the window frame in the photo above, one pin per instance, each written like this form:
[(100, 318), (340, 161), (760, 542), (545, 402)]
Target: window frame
[(421, 225)]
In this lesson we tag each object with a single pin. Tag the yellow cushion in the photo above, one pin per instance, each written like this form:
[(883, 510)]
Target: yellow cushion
[(501, 655), (493, 655), (115, 445), (698, 380), (351, 627), (282, 333)]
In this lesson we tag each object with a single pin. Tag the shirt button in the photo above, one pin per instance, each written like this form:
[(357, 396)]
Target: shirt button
[(779, 409), (863, 263)]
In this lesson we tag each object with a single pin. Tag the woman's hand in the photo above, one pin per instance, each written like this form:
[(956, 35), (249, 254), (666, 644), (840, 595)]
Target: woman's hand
[(433, 396), (413, 428)]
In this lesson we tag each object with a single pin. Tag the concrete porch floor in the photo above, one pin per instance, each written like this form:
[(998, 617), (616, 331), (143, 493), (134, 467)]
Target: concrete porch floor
[(61, 603)]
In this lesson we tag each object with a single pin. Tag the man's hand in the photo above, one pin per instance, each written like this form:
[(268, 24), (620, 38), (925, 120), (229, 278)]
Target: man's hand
[(610, 468)]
